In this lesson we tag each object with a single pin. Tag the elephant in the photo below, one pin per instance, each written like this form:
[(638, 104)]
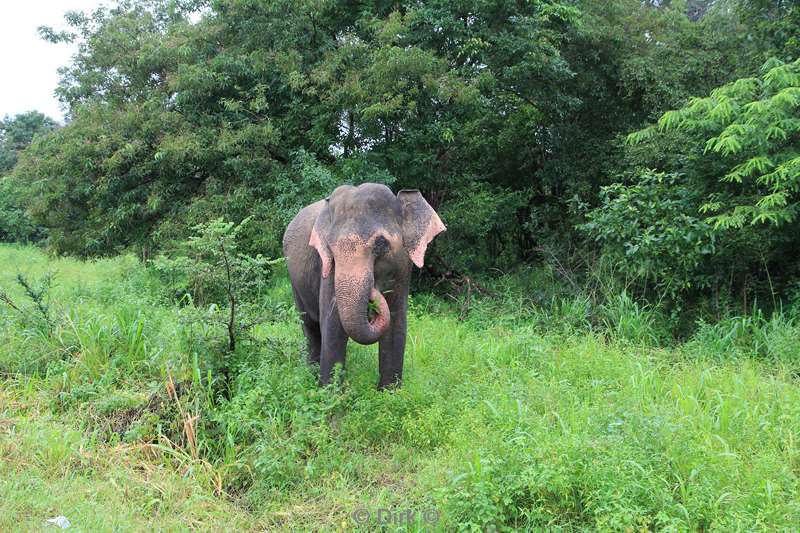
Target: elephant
[(349, 258)]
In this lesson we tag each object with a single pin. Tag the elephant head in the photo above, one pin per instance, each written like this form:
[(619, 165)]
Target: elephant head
[(367, 229)]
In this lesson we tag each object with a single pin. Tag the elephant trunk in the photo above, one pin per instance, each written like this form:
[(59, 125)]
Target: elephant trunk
[(353, 298)]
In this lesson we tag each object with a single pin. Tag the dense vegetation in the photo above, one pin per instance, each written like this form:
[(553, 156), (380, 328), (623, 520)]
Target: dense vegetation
[(511, 117), (606, 338), (113, 413), (16, 224)]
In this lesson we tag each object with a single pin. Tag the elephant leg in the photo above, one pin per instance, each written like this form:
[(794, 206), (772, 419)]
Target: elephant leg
[(391, 349), (334, 346), (334, 337), (314, 337)]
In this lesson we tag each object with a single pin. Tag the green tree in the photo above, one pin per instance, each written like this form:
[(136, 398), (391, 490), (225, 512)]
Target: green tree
[(15, 135), (751, 127), (190, 121), (520, 104), (771, 25), (737, 154)]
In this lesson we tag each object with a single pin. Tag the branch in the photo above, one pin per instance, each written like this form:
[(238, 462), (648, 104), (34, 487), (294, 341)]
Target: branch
[(231, 298), (4, 297), (558, 266), (458, 280)]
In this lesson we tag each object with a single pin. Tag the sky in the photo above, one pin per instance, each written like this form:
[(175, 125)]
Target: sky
[(29, 65)]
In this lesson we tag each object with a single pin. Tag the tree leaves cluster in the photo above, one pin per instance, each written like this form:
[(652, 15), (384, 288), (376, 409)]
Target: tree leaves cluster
[(752, 126), (510, 116), (182, 111), (16, 134), (740, 187)]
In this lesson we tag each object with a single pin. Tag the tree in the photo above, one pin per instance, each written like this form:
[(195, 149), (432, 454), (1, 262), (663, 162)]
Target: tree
[(736, 163), (751, 126), (219, 283), (523, 104), (184, 113), (15, 135)]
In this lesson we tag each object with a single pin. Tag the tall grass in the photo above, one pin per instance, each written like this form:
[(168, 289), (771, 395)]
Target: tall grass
[(534, 412)]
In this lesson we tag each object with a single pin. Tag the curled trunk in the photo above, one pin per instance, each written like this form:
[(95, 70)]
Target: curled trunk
[(353, 297)]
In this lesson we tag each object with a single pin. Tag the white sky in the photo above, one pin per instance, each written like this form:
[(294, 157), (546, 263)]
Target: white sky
[(28, 65)]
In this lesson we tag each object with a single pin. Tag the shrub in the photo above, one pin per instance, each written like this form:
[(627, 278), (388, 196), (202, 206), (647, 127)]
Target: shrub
[(220, 284), (653, 233)]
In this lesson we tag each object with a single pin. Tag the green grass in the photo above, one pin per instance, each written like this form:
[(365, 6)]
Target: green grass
[(523, 419)]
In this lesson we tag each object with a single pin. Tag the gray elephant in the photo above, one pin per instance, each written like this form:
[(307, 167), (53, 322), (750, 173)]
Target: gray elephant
[(349, 259)]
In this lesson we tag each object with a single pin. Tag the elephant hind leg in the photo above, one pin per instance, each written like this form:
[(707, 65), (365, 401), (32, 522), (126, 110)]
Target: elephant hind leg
[(310, 328)]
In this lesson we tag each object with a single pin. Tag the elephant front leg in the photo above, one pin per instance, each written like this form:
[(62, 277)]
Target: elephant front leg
[(391, 350), (334, 338), (313, 335), (334, 347)]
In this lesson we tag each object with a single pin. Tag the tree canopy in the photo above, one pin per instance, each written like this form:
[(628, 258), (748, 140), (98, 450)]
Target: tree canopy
[(17, 133), (510, 116)]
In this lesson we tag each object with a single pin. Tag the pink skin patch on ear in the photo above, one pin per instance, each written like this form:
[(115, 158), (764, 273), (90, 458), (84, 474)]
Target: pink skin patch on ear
[(435, 227), (324, 253)]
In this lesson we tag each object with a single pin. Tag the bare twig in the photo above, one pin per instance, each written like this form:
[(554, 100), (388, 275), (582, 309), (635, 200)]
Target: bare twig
[(563, 271), (231, 298), (444, 272), (467, 287), (461, 283), (4, 297)]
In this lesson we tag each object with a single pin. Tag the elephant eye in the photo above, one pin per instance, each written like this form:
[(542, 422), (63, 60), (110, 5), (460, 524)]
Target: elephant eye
[(381, 246)]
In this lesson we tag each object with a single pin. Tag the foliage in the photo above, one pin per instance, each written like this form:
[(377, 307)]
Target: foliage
[(15, 135), (488, 220), (736, 152), (252, 108), (16, 225), (653, 232), (37, 314), (208, 264), (209, 269), (773, 25), (577, 395), (751, 126)]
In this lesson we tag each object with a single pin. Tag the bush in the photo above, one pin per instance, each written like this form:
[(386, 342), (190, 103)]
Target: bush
[(221, 285), (729, 222), (653, 233)]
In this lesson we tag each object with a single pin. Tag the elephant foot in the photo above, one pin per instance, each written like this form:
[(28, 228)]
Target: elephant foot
[(389, 383)]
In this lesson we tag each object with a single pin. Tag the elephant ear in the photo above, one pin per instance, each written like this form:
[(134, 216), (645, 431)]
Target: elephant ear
[(420, 224), (322, 228)]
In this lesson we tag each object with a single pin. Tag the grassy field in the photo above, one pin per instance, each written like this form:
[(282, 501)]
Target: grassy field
[(515, 418)]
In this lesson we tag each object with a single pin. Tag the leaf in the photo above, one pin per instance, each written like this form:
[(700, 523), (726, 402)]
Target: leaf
[(671, 120), (727, 145)]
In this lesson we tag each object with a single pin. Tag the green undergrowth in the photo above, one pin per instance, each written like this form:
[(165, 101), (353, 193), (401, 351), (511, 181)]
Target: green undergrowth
[(518, 414)]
